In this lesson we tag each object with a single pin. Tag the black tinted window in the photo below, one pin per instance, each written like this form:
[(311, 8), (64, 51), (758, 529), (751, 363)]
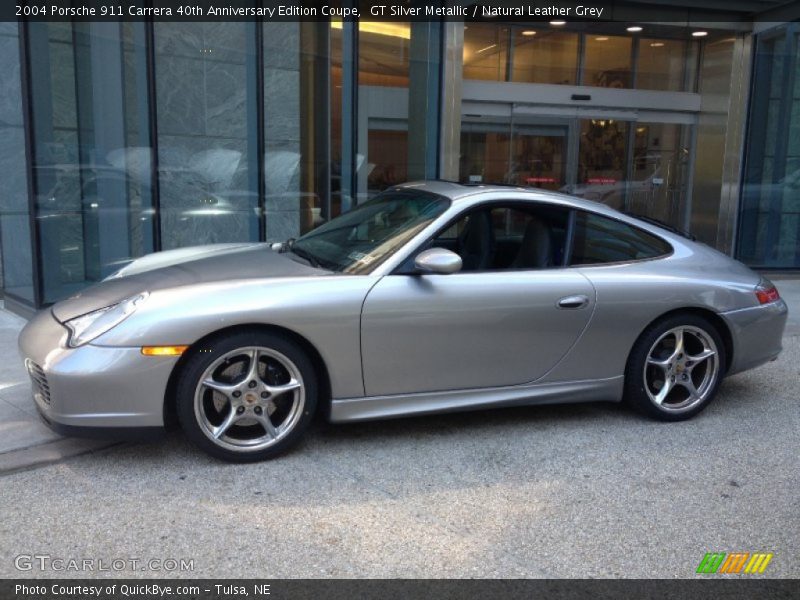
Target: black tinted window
[(601, 240), (501, 237)]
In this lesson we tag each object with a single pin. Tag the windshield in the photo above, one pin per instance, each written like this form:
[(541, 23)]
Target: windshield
[(359, 240)]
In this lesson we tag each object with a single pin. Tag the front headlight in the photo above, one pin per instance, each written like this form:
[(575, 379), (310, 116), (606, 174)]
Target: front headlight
[(87, 327)]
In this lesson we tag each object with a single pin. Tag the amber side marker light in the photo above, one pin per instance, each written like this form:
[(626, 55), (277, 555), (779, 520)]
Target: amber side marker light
[(163, 350)]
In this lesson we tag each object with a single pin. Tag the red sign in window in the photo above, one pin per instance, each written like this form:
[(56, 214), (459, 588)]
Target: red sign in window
[(601, 180), (541, 180)]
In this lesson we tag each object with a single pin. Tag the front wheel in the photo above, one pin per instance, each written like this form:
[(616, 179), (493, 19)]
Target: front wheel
[(675, 368), (247, 397)]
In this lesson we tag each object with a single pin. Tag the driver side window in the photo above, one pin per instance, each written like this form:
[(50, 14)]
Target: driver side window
[(507, 237)]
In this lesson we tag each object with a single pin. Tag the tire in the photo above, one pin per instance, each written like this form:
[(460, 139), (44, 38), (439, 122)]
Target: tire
[(692, 374), (240, 415)]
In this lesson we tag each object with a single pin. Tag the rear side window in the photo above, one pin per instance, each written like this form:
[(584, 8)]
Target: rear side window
[(599, 240)]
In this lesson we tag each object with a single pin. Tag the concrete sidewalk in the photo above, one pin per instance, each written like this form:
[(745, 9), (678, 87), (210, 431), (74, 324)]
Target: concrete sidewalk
[(26, 442)]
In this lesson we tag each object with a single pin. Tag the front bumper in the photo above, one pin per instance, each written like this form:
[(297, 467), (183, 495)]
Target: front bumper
[(92, 390), (757, 333)]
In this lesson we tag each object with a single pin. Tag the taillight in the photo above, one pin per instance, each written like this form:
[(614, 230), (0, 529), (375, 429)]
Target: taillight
[(766, 292)]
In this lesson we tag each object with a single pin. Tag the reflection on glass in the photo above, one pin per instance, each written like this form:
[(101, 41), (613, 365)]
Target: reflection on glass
[(770, 217), (291, 205), (485, 52), (360, 240), (395, 126), (602, 161), (539, 157), (657, 188), (16, 274), (92, 166), (383, 82), (528, 153), (544, 56), (484, 152), (666, 65), (337, 202), (206, 157), (607, 61)]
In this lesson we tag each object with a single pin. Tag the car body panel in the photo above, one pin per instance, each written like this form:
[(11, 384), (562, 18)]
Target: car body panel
[(469, 330), (325, 311), (94, 387), (209, 264), (383, 407), (429, 343), (759, 330)]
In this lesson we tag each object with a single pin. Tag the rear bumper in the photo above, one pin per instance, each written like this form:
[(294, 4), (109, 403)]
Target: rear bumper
[(92, 390), (757, 333)]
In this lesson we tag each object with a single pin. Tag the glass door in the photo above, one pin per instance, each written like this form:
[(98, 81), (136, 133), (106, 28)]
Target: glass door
[(514, 151), (538, 154), (641, 167)]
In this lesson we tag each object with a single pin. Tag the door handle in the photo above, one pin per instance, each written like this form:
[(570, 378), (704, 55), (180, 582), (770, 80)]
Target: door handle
[(578, 301)]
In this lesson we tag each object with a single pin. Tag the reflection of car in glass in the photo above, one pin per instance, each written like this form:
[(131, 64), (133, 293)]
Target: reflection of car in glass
[(431, 297)]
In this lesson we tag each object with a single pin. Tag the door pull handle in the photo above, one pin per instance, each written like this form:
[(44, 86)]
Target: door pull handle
[(573, 301)]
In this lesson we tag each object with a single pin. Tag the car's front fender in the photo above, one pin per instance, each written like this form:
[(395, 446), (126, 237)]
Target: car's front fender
[(323, 310)]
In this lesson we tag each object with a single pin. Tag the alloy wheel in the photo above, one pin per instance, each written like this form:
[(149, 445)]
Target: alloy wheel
[(249, 399), (681, 369)]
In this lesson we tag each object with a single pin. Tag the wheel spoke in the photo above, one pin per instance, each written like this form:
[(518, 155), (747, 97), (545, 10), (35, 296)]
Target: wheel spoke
[(226, 424), (252, 371), (697, 358), (690, 387), (664, 391), (663, 363), (277, 390), (678, 344), (222, 388), (266, 423)]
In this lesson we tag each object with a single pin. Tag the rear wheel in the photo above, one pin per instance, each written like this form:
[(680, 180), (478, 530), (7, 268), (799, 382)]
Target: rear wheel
[(247, 397), (675, 368)]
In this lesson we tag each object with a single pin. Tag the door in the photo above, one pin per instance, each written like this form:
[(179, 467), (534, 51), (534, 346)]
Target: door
[(497, 323), (514, 150)]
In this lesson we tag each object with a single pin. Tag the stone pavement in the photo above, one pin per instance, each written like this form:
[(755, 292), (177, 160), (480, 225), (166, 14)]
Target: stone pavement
[(26, 442)]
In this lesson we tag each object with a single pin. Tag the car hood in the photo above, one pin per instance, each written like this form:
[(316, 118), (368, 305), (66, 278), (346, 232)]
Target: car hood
[(187, 266)]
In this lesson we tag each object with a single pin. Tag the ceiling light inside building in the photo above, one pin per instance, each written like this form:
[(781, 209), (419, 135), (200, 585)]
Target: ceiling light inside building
[(601, 39), (699, 33), (529, 32), (398, 30), (557, 23), (656, 44), (634, 29)]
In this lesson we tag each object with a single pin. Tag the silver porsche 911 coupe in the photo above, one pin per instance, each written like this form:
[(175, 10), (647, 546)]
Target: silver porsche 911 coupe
[(431, 297)]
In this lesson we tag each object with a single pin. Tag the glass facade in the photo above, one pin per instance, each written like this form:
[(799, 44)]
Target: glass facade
[(154, 136), (542, 54), (121, 139), (15, 232), (634, 159), (608, 61), (769, 219)]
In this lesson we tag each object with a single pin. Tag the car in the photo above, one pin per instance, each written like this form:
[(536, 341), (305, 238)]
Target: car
[(430, 297)]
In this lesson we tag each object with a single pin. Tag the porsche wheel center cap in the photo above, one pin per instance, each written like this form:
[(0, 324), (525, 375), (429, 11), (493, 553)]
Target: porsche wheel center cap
[(250, 398)]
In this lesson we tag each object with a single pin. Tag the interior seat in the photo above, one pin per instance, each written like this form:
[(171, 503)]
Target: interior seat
[(476, 242), (536, 249)]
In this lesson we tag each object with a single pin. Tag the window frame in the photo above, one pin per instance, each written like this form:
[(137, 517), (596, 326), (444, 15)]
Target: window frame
[(573, 227), (406, 267)]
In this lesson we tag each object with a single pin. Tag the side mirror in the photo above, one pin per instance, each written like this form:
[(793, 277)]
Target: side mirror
[(438, 260)]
